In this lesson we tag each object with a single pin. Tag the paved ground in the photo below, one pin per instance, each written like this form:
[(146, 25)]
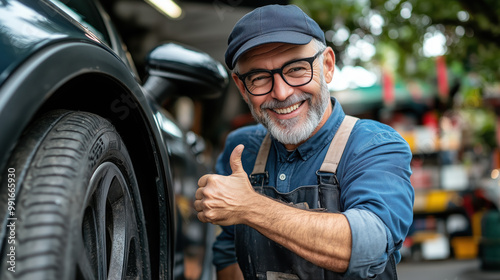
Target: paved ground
[(445, 270)]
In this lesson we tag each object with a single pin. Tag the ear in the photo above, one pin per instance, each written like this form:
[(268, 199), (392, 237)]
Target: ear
[(329, 64), (240, 86)]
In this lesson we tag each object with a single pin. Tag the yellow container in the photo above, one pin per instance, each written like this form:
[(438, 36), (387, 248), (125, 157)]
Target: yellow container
[(437, 201), (465, 247)]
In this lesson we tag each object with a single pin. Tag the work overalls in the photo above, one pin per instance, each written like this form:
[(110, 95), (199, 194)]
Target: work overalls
[(262, 258)]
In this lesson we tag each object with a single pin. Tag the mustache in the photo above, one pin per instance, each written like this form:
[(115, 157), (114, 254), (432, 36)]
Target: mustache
[(292, 99)]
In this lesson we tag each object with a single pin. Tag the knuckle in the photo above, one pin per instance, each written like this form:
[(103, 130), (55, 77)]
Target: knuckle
[(206, 205), (210, 216), (210, 180)]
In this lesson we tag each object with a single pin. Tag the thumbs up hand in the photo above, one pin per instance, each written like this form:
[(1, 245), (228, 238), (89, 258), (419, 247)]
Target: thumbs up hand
[(223, 200)]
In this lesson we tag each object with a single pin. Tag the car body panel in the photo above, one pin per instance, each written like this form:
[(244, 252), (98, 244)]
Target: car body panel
[(25, 30)]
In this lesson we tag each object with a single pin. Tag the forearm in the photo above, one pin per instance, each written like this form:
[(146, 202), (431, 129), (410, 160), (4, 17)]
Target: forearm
[(319, 237)]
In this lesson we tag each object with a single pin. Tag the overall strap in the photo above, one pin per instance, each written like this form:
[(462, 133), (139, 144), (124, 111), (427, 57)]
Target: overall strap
[(337, 146), (259, 176), (261, 160)]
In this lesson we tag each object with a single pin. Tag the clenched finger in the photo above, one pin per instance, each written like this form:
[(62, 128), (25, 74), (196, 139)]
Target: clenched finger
[(199, 194), (201, 217), (203, 180), (198, 205)]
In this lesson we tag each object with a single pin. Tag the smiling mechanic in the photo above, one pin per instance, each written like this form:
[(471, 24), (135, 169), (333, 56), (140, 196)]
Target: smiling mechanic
[(328, 195)]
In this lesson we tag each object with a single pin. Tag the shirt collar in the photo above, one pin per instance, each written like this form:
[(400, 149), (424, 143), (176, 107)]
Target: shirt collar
[(319, 140)]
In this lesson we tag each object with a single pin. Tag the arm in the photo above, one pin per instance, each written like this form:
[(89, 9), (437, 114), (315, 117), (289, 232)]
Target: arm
[(377, 196), (322, 238)]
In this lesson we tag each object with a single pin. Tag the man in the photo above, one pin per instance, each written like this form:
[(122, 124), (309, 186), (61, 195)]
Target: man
[(302, 214)]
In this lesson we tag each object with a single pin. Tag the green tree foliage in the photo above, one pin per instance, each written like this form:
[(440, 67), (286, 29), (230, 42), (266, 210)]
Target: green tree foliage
[(399, 28)]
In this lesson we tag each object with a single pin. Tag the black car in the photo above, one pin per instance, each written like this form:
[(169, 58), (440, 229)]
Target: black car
[(97, 179)]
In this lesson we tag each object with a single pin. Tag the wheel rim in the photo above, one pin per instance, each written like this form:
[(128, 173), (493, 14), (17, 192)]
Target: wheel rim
[(111, 237)]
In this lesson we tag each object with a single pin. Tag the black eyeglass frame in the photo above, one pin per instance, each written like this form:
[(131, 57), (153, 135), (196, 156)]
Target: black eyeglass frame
[(311, 59)]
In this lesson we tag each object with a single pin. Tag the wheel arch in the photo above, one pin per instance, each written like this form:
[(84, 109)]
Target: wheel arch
[(87, 77)]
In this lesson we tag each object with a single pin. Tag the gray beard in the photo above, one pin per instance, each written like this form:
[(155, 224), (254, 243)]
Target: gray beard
[(289, 131)]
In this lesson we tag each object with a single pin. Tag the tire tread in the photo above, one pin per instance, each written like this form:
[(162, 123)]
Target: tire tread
[(54, 168)]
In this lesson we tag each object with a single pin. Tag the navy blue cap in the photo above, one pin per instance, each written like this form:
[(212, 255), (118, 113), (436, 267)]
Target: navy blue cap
[(271, 24)]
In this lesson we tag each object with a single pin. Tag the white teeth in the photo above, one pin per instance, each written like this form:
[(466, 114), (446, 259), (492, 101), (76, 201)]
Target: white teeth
[(287, 110)]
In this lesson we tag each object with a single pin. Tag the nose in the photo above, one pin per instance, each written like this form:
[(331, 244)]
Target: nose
[(281, 89)]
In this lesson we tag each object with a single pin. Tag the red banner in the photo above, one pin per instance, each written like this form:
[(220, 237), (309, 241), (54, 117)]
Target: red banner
[(442, 77), (388, 87)]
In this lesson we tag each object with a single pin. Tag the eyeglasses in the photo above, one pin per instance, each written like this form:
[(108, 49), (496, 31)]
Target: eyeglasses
[(295, 73)]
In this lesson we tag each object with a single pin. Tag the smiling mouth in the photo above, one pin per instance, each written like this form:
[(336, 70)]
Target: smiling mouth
[(287, 110)]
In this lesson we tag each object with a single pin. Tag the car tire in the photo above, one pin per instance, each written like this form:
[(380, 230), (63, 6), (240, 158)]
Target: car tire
[(78, 212)]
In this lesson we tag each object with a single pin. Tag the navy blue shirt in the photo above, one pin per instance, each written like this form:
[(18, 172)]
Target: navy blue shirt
[(374, 175)]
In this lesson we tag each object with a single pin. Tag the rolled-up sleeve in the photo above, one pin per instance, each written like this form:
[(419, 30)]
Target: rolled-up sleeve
[(370, 250)]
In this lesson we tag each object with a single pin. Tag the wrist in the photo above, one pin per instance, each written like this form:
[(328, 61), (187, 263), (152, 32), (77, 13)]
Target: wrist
[(255, 207)]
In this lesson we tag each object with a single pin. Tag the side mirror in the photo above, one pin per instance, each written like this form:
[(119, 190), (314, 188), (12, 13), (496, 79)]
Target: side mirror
[(177, 70)]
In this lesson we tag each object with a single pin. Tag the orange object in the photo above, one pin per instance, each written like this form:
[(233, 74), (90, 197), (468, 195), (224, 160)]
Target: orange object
[(465, 247)]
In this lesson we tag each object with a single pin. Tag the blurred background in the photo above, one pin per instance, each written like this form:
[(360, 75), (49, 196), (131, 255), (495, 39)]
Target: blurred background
[(428, 68)]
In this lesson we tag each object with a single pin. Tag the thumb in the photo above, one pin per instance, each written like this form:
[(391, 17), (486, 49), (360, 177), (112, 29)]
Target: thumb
[(235, 159)]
